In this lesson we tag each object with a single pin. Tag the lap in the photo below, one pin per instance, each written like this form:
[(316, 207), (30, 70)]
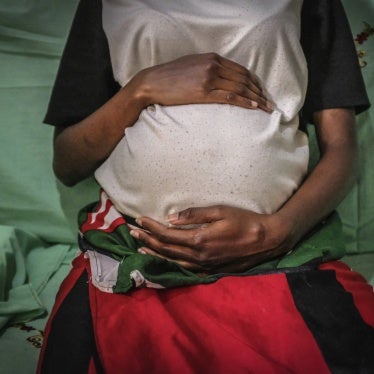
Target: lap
[(278, 322)]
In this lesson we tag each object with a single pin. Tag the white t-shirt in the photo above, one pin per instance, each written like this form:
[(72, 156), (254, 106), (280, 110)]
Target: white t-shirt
[(175, 157)]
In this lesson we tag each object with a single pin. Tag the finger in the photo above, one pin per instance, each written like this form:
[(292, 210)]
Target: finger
[(169, 246), (227, 97), (240, 69), (164, 234), (185, 264), (198, 215), (241, 90), (165, 239), (244, 79), (232, 65)]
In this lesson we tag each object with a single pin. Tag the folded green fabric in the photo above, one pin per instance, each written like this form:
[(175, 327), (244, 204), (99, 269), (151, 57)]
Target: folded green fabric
[(26, 265)]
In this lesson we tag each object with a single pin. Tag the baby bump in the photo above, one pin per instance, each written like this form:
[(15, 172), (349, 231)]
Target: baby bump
[(199, 155)]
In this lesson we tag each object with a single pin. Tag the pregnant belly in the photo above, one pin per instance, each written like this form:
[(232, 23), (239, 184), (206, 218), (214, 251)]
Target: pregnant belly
[(177, 157)]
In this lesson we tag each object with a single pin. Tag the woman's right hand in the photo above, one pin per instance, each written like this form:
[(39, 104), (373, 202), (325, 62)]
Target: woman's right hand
[(194, 79), (199, 79)]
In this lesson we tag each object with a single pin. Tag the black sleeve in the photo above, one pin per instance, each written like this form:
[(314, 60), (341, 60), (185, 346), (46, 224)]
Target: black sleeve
[(84, 80), (334, 75)]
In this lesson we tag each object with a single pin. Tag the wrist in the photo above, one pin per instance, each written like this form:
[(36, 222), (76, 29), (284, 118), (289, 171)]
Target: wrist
[(280, 232), (139, 90)]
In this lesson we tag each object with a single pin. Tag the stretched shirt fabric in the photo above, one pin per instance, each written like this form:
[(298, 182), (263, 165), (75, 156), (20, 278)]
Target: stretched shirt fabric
[(175, 157)]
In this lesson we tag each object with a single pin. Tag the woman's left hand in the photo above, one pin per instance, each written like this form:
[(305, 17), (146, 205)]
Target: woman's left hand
[(226, 239)]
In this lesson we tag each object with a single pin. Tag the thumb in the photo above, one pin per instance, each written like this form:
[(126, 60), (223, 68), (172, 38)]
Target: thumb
[(197, 215)]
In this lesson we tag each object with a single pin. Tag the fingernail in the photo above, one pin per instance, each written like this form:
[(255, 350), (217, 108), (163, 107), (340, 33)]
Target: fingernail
[(134, 234), (142, 251), (139, 221), (254, 103), (173, 217), (269, 105)]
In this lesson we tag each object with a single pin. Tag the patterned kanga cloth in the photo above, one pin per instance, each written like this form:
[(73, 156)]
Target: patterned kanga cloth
[(117, 267)]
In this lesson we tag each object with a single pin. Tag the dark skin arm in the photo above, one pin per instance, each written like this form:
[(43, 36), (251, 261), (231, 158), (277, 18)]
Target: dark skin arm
[(209, 78), (233, 239), (194, 79)]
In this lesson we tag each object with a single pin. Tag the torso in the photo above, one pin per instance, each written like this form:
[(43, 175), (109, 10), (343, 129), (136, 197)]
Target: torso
[(198, 155)]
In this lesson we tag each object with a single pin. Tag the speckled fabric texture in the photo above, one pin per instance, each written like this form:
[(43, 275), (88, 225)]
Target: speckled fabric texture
[(198, 155)]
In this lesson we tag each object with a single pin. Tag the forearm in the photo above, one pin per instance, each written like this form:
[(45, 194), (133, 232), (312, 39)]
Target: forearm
[(331, 179), (82, 147)]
